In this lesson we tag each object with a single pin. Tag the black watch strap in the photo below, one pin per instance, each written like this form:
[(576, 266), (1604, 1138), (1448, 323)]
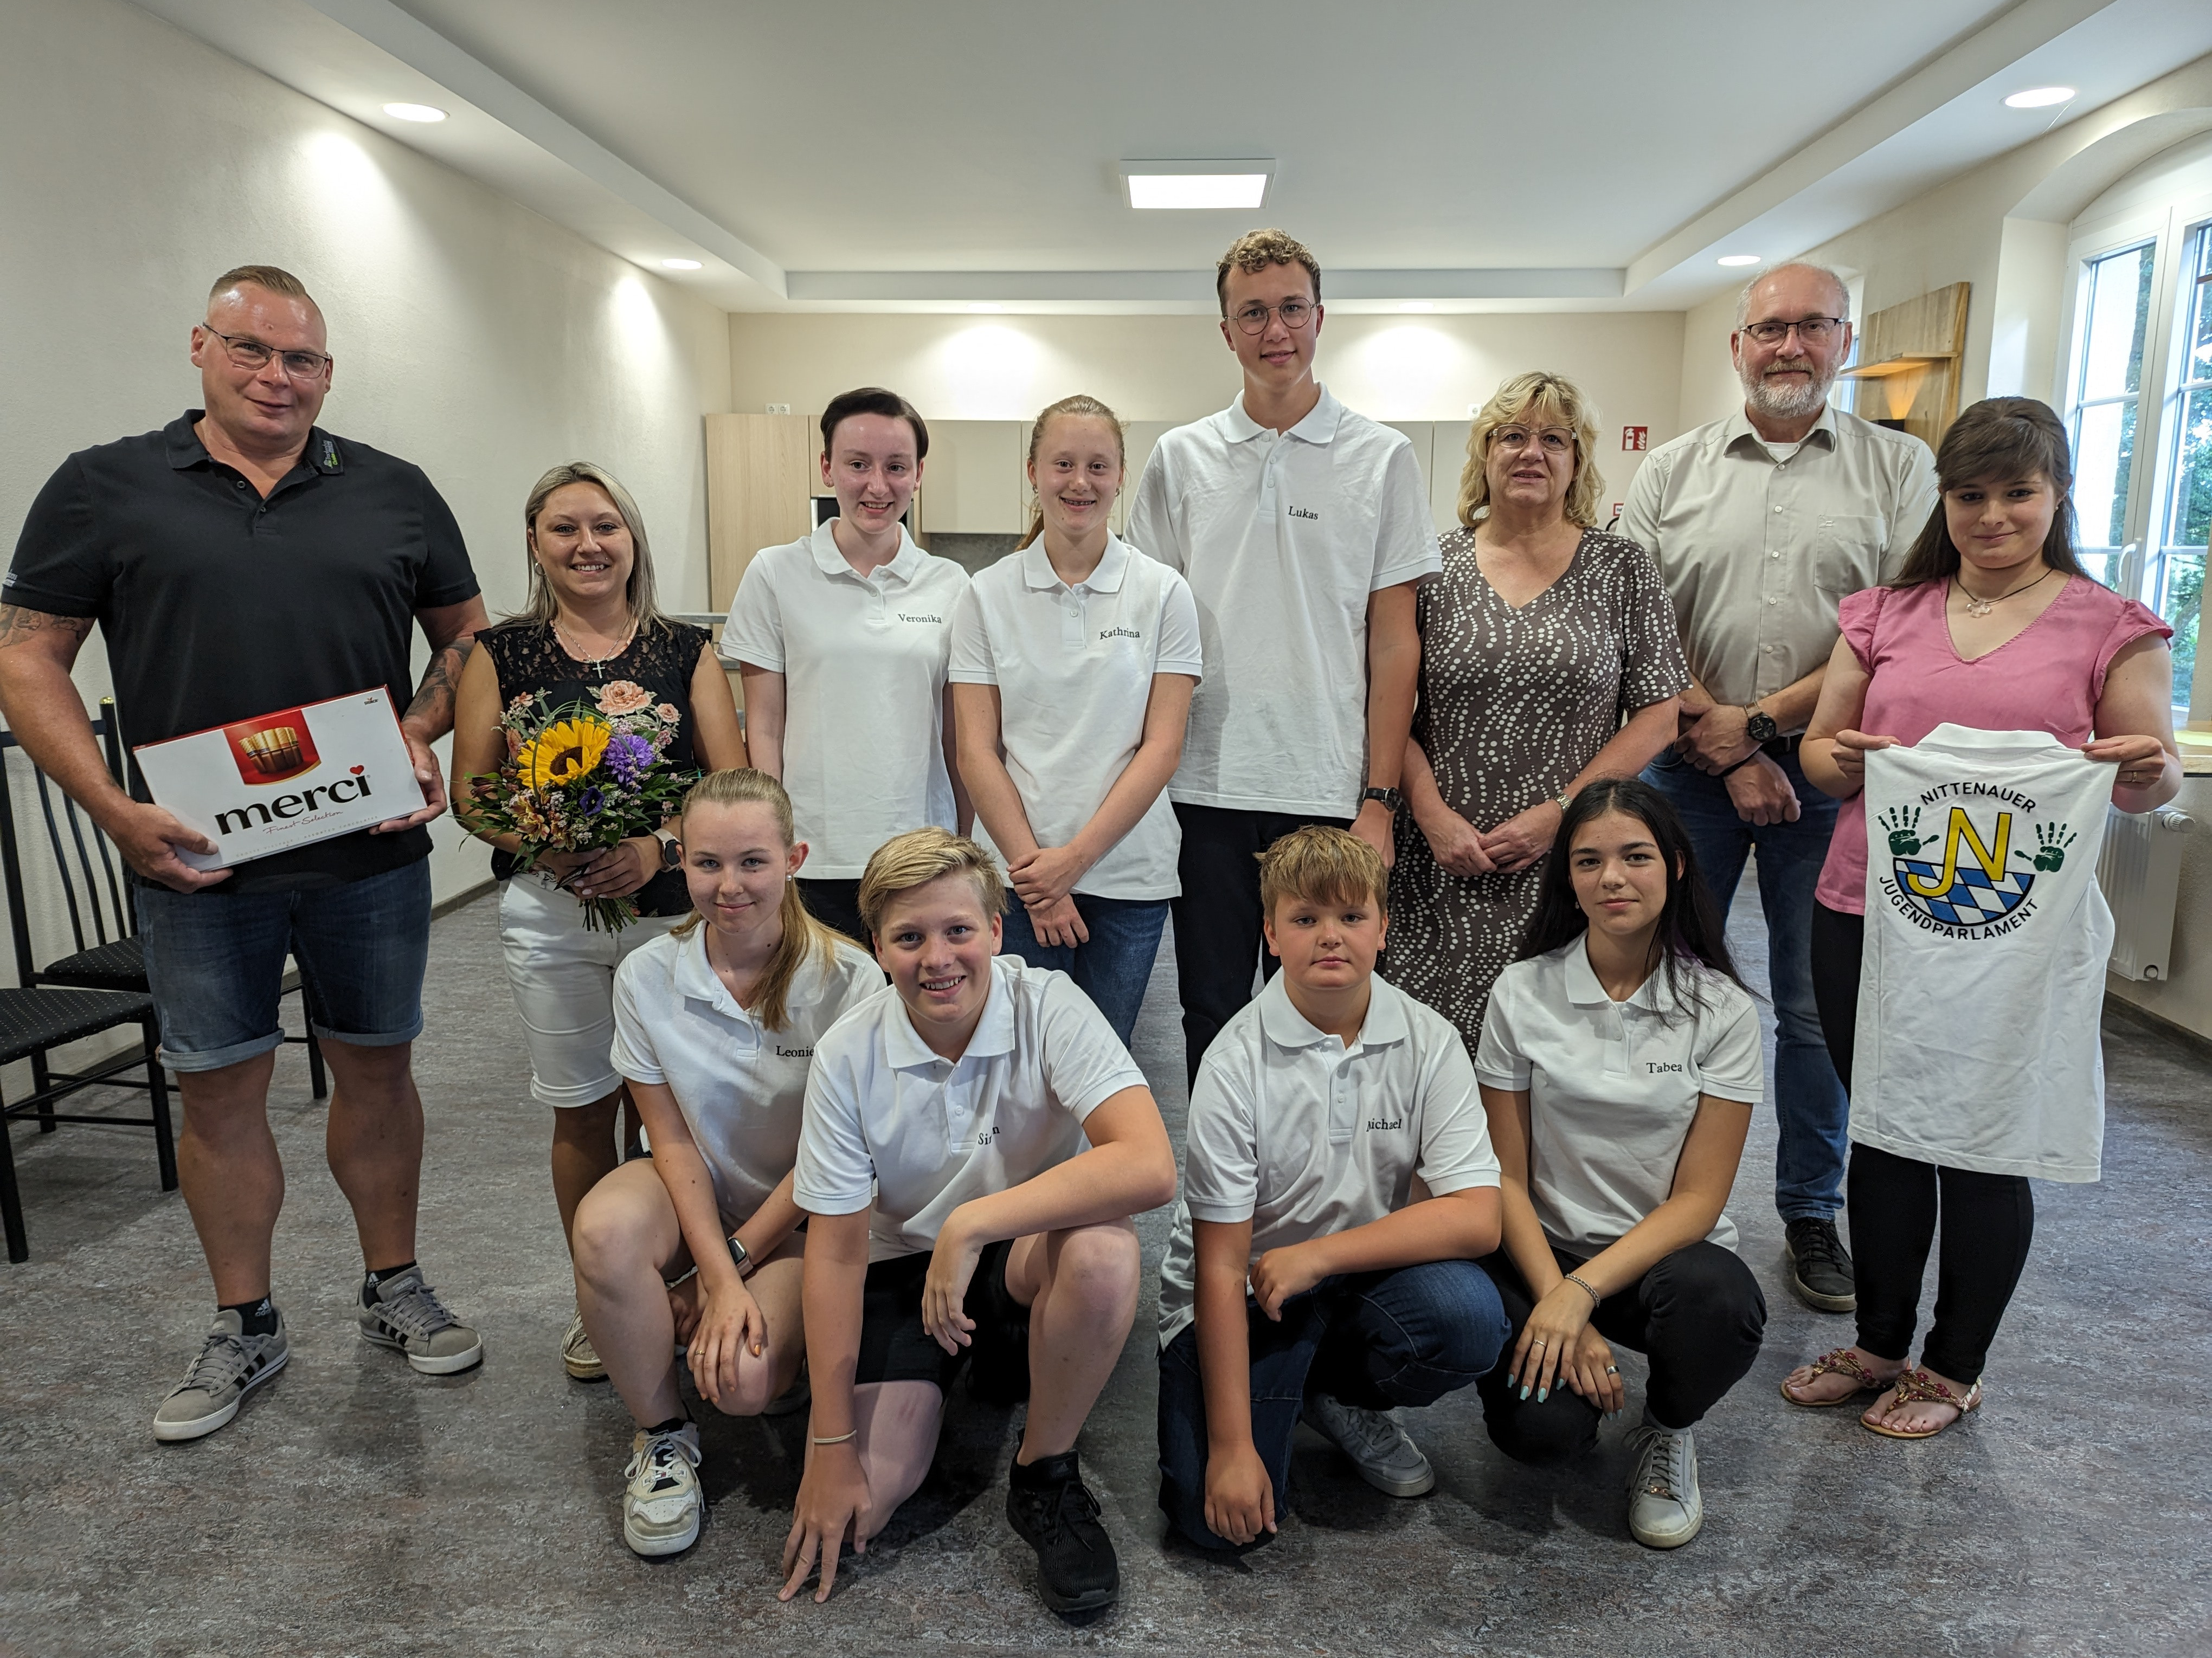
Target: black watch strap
[(1391, 799)]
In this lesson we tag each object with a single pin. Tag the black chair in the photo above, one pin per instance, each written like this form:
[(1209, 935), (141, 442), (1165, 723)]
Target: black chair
[(95, 888)]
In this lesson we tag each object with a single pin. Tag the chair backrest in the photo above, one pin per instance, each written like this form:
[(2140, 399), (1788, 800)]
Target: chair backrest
[(92, 878)]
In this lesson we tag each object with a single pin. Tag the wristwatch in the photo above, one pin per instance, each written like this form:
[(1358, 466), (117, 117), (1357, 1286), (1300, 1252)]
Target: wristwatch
[(741, 1255), (1760, 726), (1393, 801), (672, 849)]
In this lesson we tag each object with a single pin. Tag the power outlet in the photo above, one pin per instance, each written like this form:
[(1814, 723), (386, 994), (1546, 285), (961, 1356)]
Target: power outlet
[(778, 408)]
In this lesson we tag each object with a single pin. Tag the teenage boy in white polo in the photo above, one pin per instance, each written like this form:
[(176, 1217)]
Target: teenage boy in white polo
[(841, 638), (1303, 528), (956, 1213), (1339, 1165)]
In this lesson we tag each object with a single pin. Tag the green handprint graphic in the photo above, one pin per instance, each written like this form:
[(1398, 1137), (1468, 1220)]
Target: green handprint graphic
[(1903, 826), (2051, 840)]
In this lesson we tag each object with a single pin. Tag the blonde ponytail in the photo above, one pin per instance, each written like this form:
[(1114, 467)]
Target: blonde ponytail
[(1081, 404), (803, 937)]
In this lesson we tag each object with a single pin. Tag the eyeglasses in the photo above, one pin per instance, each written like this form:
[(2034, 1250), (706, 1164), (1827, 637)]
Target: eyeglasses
[(1295, 314), (249, 353), (1814, 330), (1551, 440)]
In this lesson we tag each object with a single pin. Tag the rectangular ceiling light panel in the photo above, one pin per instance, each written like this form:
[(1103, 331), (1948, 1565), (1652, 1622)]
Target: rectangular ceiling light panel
[(1187, 184)]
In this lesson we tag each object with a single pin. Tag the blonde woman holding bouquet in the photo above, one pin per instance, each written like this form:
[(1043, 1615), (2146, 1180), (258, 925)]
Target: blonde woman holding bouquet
[(592, 641)]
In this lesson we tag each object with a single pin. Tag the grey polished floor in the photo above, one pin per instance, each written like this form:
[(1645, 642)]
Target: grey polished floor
[(356, 1507)]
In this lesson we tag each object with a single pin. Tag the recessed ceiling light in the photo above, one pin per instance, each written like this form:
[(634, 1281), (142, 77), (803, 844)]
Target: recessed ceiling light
[(425, 113), (680, 265), (1199, 184), (1419, 305), (2040, 97), (1732, 259)]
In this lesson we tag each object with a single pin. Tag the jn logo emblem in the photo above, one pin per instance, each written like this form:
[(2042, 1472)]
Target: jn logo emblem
[(1972, 885)]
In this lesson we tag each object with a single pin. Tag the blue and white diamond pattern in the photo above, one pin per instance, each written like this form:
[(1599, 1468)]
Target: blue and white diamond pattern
[(1972, 898)]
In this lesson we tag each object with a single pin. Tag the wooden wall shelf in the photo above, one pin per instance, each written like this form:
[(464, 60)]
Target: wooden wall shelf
[(1912, 358)]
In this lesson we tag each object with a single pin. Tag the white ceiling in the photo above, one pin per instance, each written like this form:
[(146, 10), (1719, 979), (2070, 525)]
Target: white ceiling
[(881, 154)]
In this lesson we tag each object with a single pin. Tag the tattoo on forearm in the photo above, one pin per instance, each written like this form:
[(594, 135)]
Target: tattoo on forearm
[(18, 624), (434, 698)]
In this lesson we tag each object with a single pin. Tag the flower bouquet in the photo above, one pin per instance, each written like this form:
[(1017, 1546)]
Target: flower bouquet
[(582, 777)]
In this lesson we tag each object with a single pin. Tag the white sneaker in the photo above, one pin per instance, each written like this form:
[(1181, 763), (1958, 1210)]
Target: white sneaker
[(1386, 1458), (578, 1356), (662, 1507), (1665, 1508)]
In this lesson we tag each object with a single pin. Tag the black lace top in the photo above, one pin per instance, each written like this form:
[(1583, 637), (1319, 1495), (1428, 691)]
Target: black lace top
[(660, 661)]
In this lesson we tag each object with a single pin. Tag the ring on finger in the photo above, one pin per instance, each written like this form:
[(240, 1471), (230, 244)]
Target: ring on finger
[(1613, 1370)]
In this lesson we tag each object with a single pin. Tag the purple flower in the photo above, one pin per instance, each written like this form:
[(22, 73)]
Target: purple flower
[(589, 802), (628, 757)]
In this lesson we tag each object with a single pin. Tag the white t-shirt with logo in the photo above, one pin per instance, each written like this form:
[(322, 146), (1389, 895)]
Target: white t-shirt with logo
[(1613, 1086), (1074, 669), (1983, 979), (742, 1088), (1284, 537), (890, 1123), (863, 662), (1303, 1136)]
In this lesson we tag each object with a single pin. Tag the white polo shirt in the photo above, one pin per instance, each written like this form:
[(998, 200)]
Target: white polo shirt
[(863, 664), (888, 1121), (742, 1088), (1613, 1086), (1283, 537), (1303, 1136), (1074, 669)]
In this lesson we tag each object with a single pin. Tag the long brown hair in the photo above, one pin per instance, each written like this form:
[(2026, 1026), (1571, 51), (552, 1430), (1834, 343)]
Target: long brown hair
[(1996, 440), (803, 937), (1081, 404)]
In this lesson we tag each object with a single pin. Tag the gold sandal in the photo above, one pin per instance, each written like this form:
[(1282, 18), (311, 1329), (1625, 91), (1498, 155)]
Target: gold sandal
[(1917, 1386), (1838, 1363)]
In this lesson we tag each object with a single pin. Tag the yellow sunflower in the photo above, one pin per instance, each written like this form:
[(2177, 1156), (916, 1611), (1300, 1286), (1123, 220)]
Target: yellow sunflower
[(563, 752)]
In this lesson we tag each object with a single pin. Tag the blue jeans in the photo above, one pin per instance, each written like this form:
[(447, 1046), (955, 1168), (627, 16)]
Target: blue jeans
[(1810, 1102), (1375, 1339), (216, 961), (1114, 967)]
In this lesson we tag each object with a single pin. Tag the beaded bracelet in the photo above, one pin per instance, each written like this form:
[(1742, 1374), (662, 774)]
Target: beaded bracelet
[(1596, 1300)]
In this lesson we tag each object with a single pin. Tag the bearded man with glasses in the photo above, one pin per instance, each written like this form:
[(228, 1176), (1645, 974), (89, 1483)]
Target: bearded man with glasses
[(242, 561), (1761, 524)]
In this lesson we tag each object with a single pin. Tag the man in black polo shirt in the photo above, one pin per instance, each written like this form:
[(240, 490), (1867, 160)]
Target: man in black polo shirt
[(241, 560)]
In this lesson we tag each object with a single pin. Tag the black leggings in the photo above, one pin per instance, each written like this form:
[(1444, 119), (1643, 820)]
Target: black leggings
[(1990, 1219)]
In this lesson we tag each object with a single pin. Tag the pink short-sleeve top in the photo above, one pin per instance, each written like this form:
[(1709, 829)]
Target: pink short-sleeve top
[(2047, 677)]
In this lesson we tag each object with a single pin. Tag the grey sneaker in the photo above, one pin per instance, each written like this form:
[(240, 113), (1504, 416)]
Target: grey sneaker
[(408, 1315), (1665, 1508), (231, 1365), (1377, 1446), (662, 1507), (1819, 1267), (578, 1356)]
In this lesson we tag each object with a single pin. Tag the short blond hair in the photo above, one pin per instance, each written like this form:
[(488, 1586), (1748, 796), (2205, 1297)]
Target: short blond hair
[(918, 857), (273, 278), (1536, 395), (1318, 864), (1255, 251)]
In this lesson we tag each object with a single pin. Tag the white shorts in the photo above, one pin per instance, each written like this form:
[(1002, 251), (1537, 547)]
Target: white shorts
[(563, 979)]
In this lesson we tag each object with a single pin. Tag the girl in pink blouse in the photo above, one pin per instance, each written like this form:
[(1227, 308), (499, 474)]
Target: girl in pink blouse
[(1993, 624)]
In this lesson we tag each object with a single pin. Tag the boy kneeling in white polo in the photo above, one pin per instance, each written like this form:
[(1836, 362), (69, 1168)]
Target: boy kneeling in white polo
[(1339, 1165), (959, 1099)]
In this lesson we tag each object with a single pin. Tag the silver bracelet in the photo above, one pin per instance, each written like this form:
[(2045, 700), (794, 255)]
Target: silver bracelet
[(837, 1439), (1596, 1300)]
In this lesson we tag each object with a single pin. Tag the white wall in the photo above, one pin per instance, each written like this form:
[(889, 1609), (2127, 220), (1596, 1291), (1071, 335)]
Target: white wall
[(1177, 368), (471, 336)]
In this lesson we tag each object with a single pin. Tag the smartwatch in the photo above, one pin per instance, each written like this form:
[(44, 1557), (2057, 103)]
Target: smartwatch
[(1760, 726), (672, 849), (1393, 801), (741, 1255)]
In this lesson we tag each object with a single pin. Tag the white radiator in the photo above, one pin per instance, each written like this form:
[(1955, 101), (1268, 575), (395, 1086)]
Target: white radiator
[(2140, 872)]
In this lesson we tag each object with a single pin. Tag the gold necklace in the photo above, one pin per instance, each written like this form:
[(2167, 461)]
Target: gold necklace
[(1981, 607)]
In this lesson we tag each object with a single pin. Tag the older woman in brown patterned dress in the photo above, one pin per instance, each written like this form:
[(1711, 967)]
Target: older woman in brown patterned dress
[(1549, 657)]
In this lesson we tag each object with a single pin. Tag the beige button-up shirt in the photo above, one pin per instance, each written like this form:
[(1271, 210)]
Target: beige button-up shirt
[(1757, 547)]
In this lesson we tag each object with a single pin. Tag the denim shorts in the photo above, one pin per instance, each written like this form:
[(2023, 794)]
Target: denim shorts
[(216, 961)]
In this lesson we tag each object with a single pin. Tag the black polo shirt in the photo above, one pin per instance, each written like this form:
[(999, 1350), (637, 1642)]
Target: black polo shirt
[(216, 604)]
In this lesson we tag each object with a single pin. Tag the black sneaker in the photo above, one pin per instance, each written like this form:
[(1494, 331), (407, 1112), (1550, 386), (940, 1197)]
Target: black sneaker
[(1056, 1515), (1819, 1267)]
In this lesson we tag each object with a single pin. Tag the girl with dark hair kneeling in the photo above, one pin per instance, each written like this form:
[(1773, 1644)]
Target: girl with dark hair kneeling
[(1620, 1064)]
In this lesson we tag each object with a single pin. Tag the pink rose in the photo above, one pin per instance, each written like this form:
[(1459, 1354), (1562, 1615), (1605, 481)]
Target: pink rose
[(621, 696), (670, 714)]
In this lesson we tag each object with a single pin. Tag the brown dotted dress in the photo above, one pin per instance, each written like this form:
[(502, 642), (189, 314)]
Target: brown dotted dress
[(1513, 704)]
